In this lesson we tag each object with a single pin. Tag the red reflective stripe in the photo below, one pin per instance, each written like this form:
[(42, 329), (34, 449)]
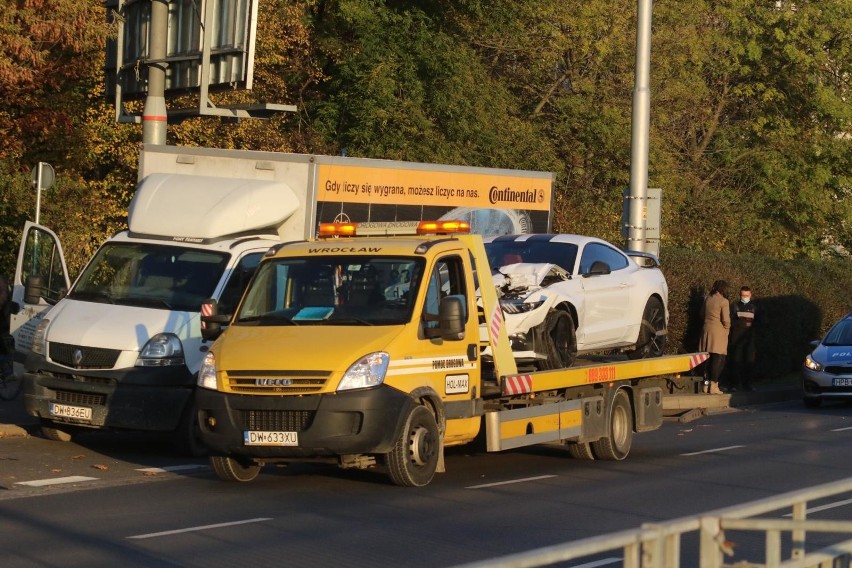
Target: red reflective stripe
[(206, 309), (496, 323), (517, 384), (154, 117)]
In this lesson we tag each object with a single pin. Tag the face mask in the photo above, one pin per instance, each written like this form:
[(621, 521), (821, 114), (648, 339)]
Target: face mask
[(745, 300)]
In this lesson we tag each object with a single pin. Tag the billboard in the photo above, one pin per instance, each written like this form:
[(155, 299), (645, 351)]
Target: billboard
[(230, 27)]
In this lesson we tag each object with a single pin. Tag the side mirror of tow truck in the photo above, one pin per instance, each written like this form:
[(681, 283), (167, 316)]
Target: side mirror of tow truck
[(451, 317)]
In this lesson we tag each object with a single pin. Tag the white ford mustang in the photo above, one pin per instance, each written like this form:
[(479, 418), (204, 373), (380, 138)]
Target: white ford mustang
[(567, 294)]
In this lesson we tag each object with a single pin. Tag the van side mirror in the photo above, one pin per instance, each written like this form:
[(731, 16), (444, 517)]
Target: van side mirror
[(14, 308), (211, 320), (451, 317), (33, 289)]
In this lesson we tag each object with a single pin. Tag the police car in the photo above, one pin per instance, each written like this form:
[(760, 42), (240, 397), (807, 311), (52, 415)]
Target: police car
[(827, 371)]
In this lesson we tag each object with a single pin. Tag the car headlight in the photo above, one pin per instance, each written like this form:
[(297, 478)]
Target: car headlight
[(811, 364), (162, 350), (368, 371), (519, 307), (38, 345), (207, 372)]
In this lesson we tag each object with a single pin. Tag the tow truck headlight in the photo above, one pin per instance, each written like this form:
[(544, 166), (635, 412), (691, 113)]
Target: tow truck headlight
[(369, 371), (38, 337), (207, 372), (162, 350), (811, 364)]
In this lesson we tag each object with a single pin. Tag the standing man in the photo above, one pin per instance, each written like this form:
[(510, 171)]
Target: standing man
[(741, 348), (714, 338)]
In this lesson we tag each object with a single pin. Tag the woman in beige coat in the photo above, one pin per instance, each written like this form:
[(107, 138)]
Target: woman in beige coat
[(716, 313)]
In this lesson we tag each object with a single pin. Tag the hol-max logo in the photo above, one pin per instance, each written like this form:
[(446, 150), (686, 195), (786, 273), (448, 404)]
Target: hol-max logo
[(509, 195)]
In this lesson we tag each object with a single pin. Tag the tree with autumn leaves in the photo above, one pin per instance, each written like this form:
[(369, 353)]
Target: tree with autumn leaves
[(751, 119)]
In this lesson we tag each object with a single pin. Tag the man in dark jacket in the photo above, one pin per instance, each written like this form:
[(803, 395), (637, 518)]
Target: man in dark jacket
[(741, 348)]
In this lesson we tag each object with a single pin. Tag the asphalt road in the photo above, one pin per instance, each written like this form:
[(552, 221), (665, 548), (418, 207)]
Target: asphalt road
[(116, 510)]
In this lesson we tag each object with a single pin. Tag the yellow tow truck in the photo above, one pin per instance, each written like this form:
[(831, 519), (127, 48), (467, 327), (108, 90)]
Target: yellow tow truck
[(381, 344)]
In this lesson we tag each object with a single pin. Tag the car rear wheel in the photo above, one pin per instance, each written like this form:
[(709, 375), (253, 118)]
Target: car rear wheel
[(652, 332)]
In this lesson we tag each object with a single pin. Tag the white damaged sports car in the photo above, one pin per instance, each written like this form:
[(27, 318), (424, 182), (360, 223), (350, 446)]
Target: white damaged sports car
[(564, 295)]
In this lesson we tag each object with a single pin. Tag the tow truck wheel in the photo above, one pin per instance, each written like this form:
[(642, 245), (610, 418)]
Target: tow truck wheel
[(616, 446), (652, 337), (561, 341), (229, 469), (50, 431), (580, 450), (414, 457)]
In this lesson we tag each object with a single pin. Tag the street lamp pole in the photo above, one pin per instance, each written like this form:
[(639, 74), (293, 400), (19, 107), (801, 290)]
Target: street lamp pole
[(640, 130)]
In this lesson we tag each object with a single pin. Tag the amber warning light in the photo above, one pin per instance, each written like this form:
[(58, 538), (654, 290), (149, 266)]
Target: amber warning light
[(392, 228)]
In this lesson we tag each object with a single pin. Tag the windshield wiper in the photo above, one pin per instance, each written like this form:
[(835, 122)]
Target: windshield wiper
[(347, 320), (93, 296), (268, 319), (137, 301)]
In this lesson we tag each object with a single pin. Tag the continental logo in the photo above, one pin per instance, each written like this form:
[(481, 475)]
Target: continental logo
[(509, 195), (323, 250), (447, 363)]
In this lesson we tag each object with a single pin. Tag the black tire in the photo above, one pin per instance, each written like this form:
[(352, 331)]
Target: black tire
[(580, 450), (812, 402), (652, 333), (50, 431), (414, 457), (616, 445), (186, 439), (229, 469), (559, 336)]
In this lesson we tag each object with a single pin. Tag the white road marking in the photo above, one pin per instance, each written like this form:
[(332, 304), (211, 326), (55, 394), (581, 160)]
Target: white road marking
[(842, 429), (171, 468), (56, 481), (713, 450), (824, 507), (201, 528), (524, 480)]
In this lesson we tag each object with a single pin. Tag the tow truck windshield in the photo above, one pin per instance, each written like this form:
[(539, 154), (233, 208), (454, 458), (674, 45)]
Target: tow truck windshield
[(326, 290), (151, 276)]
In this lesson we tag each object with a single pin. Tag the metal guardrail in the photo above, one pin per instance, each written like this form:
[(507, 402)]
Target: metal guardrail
[(658, 545)]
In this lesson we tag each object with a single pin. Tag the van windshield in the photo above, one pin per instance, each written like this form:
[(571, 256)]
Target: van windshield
[(152, 276), (326, 290)]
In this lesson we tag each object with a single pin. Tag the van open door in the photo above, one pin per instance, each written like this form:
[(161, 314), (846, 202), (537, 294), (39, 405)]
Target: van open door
[(41, 280)]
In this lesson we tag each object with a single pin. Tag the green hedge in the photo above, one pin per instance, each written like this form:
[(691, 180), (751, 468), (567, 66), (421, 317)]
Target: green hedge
[(797, 301)]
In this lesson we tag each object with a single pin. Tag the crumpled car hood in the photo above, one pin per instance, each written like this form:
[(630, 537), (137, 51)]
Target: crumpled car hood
[(526, 283)]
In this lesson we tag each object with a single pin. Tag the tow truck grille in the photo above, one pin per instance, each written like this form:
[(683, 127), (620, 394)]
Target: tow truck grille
[(90, 357), (278, 420), (277, 382)]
